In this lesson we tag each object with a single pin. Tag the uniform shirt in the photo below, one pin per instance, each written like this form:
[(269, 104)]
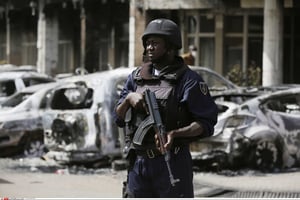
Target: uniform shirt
[(191, 91)]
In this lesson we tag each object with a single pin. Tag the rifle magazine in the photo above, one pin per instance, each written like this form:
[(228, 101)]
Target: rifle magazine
[(142, 130)]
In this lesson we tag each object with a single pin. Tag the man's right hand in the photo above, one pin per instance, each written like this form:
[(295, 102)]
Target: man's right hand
[(136, 100)]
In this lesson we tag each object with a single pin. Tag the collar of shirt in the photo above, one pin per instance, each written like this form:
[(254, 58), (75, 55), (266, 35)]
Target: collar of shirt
[(156, 72)]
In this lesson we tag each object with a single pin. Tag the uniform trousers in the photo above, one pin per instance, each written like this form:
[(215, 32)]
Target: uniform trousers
[(149, 177)]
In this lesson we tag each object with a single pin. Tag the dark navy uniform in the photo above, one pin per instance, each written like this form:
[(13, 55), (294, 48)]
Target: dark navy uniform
[(188, 100)]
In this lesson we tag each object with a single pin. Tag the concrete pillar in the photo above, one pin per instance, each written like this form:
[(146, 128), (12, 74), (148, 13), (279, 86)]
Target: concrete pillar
[(82, 36), (136, 28), (8, 42), (273, 43), (41, 65), (219, 42), (131, 33), (47, 42)]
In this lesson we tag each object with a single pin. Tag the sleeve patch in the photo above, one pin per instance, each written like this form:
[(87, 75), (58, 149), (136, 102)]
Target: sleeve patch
[(203, 88)]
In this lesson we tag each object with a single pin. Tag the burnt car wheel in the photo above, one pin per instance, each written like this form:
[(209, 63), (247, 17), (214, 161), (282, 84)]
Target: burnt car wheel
[(239, 146), (34, 145), (266, 155), (34, 149)]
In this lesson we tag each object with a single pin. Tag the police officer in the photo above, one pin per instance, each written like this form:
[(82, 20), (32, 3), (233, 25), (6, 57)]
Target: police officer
[(187, 111)]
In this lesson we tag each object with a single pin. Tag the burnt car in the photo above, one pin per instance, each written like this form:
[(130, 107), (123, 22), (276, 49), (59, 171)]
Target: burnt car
[(70, 119), (262, 133), (78, 124), (16, 80), (21, 128), (22, 95)]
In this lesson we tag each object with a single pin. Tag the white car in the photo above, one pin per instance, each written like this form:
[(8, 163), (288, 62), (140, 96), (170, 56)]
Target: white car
[(14, 81)]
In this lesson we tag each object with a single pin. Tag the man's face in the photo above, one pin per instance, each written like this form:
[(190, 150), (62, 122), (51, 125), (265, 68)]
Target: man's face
[(155, 48)]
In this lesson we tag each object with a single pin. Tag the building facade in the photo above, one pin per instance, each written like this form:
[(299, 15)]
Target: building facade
[(59, 36), (236, 34)]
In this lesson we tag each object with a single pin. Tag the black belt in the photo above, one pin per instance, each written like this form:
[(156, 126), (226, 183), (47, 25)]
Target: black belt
[(153, 153)]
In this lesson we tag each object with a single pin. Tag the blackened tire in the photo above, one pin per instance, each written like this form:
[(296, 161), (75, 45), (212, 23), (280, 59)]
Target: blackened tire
[(34, 146), (34, 149), (266, 155)]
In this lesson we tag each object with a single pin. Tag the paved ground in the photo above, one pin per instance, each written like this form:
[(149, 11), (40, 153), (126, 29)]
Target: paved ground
[(108, 185), (37, 185), (37, 179), (276, 184)]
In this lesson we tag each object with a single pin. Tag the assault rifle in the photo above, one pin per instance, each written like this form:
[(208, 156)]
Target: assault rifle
[(154, 120)]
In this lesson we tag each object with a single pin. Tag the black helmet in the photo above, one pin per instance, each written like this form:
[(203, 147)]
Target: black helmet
[(163, 27)]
